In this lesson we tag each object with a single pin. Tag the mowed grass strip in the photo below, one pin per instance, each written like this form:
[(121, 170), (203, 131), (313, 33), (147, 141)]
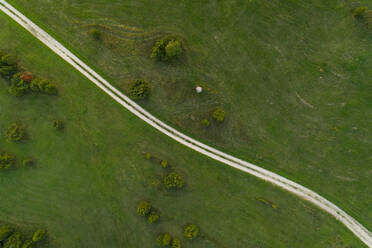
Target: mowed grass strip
[(90, 177)]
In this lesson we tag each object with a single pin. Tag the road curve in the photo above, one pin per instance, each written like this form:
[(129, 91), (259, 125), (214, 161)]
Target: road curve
[(354, 226)]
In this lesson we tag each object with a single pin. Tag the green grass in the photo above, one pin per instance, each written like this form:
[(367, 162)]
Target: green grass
[(90, 177), (259, 60)]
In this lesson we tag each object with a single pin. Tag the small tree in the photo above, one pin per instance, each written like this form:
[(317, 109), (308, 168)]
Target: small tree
[(6, 160), (176, 243), (173, 49), (5, 232), (359, 12), (219, 114), (95, 34), (15, 132), (152, 217), (173, 181), (205, 123), (143, 208), (164, 164), (191, 231), (148, 156), (164, 239), (167, 48), (139, 89), (38, 235), (14, 241)]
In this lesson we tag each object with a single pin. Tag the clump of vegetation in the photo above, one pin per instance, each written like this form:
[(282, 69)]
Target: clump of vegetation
[(173, 181), (167, 48), (205, 123), (219, 114), (153, 217), (5, 232), (176, 243), (8, 66), (9, 238), (15, 132), (95, 34), (148, 156), (14, 241), (27, 244), (28, 162), (6, 160), (38, 235), (20, 87), (164, 164), (144, 208), (191, 231), (139, 89), (359, 12), (58, 125), (164, 239)]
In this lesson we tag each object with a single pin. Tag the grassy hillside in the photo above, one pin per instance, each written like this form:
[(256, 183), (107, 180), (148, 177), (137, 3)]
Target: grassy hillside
[(293, 76), (89, 178)]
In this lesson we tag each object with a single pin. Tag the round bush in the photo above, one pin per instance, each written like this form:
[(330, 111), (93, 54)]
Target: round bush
[(15, 132), (167, 48), (95, 34), (173, 181), (148, 156), (139, 89), (164, 240), (38, 235), (164, 163), (153, 217), (173, 49), (206, 123), (6, 160), (191, 231), (359, 12), (143, 208), (176, 243), (219, 114)]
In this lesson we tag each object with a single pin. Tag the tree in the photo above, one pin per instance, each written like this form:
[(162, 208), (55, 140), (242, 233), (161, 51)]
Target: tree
[(359, 12), (38, 235), (6, 160), (5, 232), (95, 34), (191, 231), (219, 114), (16, 132), (164, 239), (164, 163), (14, 241), (139, 89), (166, 48), (173, 49), (152, 217), (143, 208), (176, 243), (173, 181)]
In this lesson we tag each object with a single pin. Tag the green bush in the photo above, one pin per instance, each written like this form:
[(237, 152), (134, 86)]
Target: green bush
[(8, 66), (15, 132), (38, 235), (148, 156), (166, 49), (95, 34), (173, 181), (139, 89), (219, 114), (176, 243), (5, 232), (58, 125), (191, 231), (205, 123), (152, 217), (164, 239), (28, 162), (47, 87), (143, 208), (14, 241), (164, 163), (359, 12), (6, 160), (27, 244)]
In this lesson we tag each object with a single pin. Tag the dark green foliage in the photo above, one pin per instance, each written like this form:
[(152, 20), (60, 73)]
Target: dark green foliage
[(191, 231), (166, 49), (176, 243), (45, 86), (19, 87), (15, 133), (219, 114), (7, 66), (38, 235), (173, 181), (6, 160), (205, 123), (5, 232), (143, 208), (14, 241), (95, 34), (164, 239), (27, 244), (359, 12), (139, 89), (28, 162), (58, 125), (153, 217)]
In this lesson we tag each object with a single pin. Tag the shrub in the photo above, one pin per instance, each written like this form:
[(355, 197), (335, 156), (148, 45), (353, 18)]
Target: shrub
[(148, 156), (176, 243), (28, 162), (219, 114), (8, 66), (166, 49), (205, 123), (6, 160), (5, 232), (15, 132), (164, 163), (139, 89), (47, 87), (359, 12), (14, 241), (164, 239), (38, 235), (191, 231), (19, 87), (173, 181), (27, 244), (143, 208), (152, 217), (95, 34), (58, 125)]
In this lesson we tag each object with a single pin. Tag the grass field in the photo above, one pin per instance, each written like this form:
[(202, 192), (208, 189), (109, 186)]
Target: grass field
[(293, 76), (89, 178)]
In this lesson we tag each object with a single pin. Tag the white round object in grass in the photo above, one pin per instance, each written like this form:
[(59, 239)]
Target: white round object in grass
[(199, 89)]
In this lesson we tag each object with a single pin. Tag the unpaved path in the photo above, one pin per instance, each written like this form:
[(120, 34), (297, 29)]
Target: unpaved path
[(360, 231)]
